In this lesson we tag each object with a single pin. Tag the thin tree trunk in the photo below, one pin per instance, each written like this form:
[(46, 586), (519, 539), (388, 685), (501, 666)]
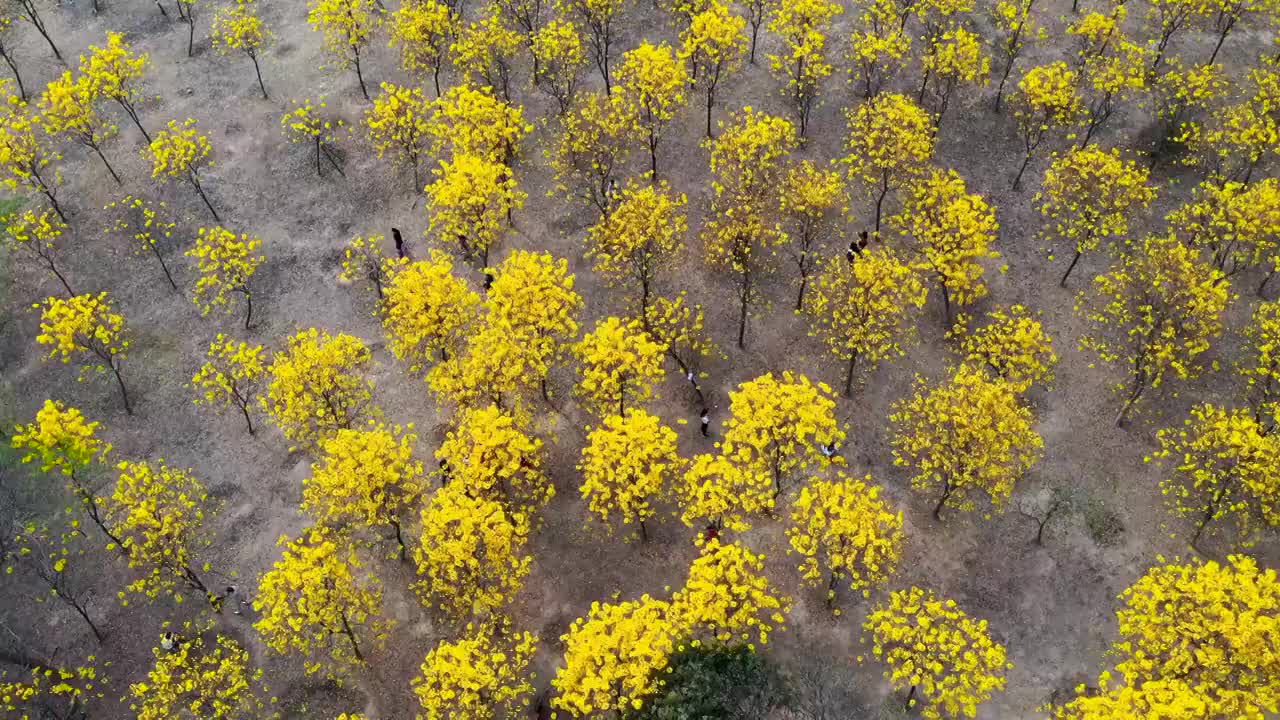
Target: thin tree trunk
[(54, 270), (404, 550), (710, 102), (248, 309), (346, 629), (848, 377), (133, 115), (1139, 385), (644, 532), (742, 323), (191, 33), (97, 634), (16, 75), (1222, 37), (363, 90), (946, 493), (1266, 279), (35, 19), (435, 77), (319, 172), (1017, 179), (258, 71), (755, 33), (124, 394), (110, 169), (247, 420), (1072, 266), (195, 182), (884, 190), (167, 276)]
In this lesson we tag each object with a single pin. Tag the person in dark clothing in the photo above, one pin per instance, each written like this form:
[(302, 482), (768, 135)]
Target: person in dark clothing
[(856, 247), (395, 233), (705, 417)]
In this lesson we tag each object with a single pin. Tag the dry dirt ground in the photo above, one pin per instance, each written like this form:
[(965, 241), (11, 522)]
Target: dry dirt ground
[(1052, 605)]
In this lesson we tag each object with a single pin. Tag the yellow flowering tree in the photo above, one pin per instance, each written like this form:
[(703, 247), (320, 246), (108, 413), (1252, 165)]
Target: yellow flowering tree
[(116, 72), (651, 83), (38, 237), (629, 462), (64, 689), (598, 17), (472, 121), (89, 328), (614, 656), (347, 26), (6, 53), (776, 425), (1261, 363), (180, 151), (878, 48), (25, 162), (1014, 23), (727, 596), (1046, 100), (1233, 141), (617, 361), (1012, 343), (212, 681), (238, 28), (366, 479), (1238, 224), (842, 529), (317, 387), (487, 50), (397, 125), (758, 11), (1154, 312), (230, 376), (472, 555), (714, 45), (427, 311), (865, 309), (590, 150), (640, 238), (531, 311), (890, 143), (160, 513), (146, 223), (62, 439), (717, 492), (937, 651), (951, 232), (480, 676), (561, 58), (364, 259), (470, 202), (811, 199), (1221, 464), (1194, 639), (307, 123), (1089, 197), (955, 60), (965, 437), (1181, 94), (1114, 77), (317, 601), (740, 235), (678, 326), (226, 263), (490, 456), (801, 64), (52, 558), (68, 108), (422, 30)]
